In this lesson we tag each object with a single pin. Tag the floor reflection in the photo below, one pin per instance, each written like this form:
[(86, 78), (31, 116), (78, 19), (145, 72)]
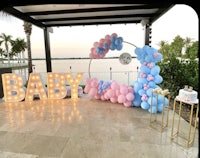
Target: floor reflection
[(57, 111)]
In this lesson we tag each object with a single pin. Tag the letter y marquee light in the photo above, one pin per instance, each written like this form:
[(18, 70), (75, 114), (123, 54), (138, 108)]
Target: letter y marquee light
[(13, 87), (74, 83), (35, 87)]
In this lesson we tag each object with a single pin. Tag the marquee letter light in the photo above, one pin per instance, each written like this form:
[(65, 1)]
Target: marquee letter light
[(56, 86), (74, 83), (13, 87), (35, 87)]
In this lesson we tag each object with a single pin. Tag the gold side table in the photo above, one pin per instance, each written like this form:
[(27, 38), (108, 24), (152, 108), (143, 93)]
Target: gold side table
[(160, 123), (185, 138)]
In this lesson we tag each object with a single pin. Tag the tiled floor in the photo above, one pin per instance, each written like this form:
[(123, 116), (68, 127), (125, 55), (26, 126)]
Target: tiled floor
[(84, 129)]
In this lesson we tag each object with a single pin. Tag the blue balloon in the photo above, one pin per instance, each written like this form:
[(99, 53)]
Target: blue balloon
[(156, 86), (143, 80), (149, 58), (152, 84), (112, 39), (160, 107), (112, 46), (160, 98), (142, 61), (148, 50), (145, 69), (120, 39), (119, 46), (153, 109), (106, 85), (97, 50), (155, 70), (141, 92), (117, 41), (137, 86), (153, 100), (158, 58), (139, 57), (101, 50), (138, 51), (137, 100), (149, 92), (158, 79), (145, 105), (163, 100), (100, 89), (105, 45)]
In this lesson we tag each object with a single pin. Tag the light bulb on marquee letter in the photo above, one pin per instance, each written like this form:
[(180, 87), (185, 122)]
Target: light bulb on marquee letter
[(74, 83), (13, 87), (35, 87), (56, 86)]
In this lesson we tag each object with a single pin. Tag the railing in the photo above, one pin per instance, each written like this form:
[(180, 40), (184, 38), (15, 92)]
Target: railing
[(122, 77)]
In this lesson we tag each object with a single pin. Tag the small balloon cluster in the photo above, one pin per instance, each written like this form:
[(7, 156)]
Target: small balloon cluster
[(101, 48), (148, 78), (116, 93)]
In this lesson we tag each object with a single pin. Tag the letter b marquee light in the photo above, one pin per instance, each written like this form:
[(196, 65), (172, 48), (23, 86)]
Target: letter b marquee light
[(13, 87)]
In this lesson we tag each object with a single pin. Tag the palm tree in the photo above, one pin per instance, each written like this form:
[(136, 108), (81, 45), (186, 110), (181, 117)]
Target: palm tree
[(6, 39), (18, 47), (1, 53), (27, 30), (162, 43), (164, 48), (187, 42)]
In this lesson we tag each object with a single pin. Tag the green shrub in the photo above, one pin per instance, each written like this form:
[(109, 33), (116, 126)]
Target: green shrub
[(177, 73)]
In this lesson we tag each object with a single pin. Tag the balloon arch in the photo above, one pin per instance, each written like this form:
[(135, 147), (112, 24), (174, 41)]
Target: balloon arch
[(140, 95)]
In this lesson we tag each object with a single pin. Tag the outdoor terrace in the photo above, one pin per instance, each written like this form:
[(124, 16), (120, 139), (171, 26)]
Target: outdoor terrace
[(85, 128)]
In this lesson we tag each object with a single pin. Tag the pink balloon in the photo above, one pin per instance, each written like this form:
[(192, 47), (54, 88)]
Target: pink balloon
[(107, 37), (111, 93), (87, 88), (92, 49), (108, 42), (117, 93), (95, 44), (114, 35), (130, 90), (106, 96), (102, 55), (102, 97), (114, 85), (92, 92), (113, 100), (121, 99), (102, 40), (106, 50), (87, 80), (97, 96), (123, 89), (94, 84), (130, 96), (100, 45), (91, 55), (127, 103)]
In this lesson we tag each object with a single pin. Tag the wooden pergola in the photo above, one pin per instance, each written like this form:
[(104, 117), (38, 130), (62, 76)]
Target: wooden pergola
[(48, 14)]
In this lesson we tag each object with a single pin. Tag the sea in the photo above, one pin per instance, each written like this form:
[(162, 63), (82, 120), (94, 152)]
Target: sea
[(102, 69)]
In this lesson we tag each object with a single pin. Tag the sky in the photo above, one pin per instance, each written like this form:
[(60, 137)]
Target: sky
[(77, 41)]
